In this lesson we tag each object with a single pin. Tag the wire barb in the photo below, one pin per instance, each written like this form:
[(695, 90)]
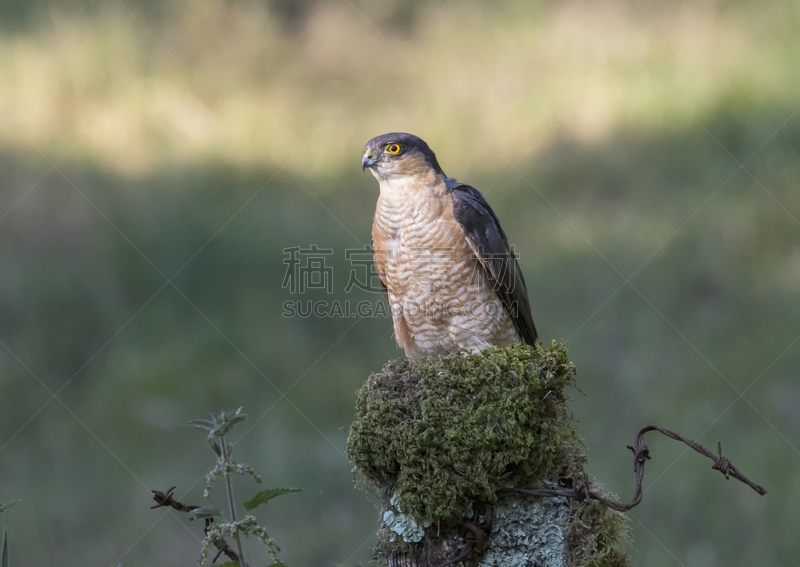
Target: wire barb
[(166, 500), (722, 464)]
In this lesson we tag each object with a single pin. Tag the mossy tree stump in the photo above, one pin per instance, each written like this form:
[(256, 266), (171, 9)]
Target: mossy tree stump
[(443, 439)]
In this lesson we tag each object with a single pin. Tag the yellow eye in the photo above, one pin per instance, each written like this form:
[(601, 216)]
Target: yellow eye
[(392, 149)]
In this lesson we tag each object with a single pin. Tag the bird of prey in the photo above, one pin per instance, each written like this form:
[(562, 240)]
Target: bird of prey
[(444, 262)]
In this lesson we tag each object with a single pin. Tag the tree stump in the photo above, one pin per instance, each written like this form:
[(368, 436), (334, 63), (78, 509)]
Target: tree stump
[(445, 440)]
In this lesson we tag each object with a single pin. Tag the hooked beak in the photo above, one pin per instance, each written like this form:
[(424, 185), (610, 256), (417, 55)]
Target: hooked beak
[(367, 161)]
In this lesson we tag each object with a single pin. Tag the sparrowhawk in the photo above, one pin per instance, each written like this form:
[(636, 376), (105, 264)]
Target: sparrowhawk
[(443, 261)]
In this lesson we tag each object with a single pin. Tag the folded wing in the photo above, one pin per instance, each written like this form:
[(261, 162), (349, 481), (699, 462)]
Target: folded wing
[(489, 243)]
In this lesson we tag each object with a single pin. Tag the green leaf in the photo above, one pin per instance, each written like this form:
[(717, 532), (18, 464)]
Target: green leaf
[(266, 495), (278, 564), (204, 424), (6, 505), (230, 564), (204, 512), (227, 422), (4, 548), (215, 445)]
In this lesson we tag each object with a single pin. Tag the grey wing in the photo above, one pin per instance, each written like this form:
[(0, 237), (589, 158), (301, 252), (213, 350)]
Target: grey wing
[(487, 239)]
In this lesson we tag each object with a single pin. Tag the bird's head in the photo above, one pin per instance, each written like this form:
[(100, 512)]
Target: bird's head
[(397, 155)]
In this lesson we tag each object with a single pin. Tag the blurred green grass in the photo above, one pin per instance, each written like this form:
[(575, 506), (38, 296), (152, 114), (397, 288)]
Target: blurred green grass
[(623, 164)]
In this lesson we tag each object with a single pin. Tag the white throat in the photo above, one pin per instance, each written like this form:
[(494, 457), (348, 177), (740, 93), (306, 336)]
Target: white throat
[(403, 189), (411, 188)]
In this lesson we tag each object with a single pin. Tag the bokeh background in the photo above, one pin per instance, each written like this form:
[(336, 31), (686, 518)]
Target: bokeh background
[(156, 158)]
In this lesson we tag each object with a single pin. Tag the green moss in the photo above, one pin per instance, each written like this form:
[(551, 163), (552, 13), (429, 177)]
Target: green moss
[(596, 533), (441, 432)]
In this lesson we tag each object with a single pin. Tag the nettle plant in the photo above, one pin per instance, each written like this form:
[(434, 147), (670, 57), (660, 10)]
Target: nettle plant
[(219, 527)]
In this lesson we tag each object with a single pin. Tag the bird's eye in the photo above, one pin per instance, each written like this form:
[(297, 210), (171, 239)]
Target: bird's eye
[(392, 149)]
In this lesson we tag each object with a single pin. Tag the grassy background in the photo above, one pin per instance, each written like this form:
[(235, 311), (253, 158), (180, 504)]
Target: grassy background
[(608, 136)]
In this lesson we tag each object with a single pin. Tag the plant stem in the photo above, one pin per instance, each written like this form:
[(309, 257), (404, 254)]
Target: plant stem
[(231, 504)]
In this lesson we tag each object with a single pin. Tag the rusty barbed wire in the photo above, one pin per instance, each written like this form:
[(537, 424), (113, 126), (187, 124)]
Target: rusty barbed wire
[(581, 487), (476, 534), (166, 500)]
